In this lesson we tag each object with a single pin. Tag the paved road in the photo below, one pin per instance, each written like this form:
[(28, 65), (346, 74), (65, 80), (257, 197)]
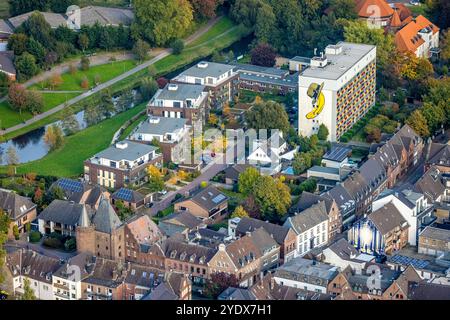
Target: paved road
[(39, 248), (162, 54)]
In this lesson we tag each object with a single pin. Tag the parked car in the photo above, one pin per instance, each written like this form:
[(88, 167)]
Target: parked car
[(3, 295), (149, 205), (163, 192), (414, 3)]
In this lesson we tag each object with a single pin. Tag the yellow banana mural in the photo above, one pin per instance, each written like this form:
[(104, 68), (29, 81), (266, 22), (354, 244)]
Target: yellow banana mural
[(318, 100)]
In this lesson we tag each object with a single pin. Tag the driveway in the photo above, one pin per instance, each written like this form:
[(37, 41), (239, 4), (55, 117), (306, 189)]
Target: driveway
[(162, 54), (57, 254)]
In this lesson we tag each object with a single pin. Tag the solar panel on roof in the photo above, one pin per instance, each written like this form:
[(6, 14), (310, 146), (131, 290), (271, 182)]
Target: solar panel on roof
[(70, 185), (125, 194), (218, 198)]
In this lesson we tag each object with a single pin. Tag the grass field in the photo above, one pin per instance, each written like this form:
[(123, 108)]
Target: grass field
[(131, 127), (104, 72), (68, 161), (10, 117), (220, 27)]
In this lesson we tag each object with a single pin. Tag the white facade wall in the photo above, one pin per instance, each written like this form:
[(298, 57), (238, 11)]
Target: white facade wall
[(300, 285), (304, 240), (42, 290)]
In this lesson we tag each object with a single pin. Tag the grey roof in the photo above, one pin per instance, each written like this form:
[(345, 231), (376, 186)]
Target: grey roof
[(373, 173), (268, 71), (337, 153), (6, 62), (209, 198), (5, 27), (340, 195), (185, 218), (103, 273), (162, 127), (309, 218), (430, 184), (428, 291), (162, 292), (105, 218), (308, 199), (234, 171), (53, 19), (84, 261), (288, 81), (182, 251), (439, 154), (387, 218), (106, 16), (133, 151), (15, 205), (266, 75), (233, 293), (339, 64), (65, 212), (359, 282), (304, 60), (436, 233), (278, 232), (329, 170), (299, 268), (184, 91), (212, 70), (344, 250)]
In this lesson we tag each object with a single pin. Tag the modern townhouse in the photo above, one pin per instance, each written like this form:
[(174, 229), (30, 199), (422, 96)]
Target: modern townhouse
[(171, 134), (434, 241), (123, 164), (182, 223), (20, 210), (220, 80), (311, 227), (435, 186), (174, 286), (266, 154)]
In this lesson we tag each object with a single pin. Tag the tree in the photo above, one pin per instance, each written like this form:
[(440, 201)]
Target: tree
[(34, 101), (4, 227), (16, 233), (84, 83), (37, 50), (205, 9), (239, 212), (84, 63), (4, 83), (11, 156), (106, 106), (72, 69), (148, 88), (273, 197), (323, 132), (83, 41), (141, 49), (159, 21), (38, 28), (28, 293), (92, 114), (251, 206), (247, 180), (177, 46), (263, 55), (162, 82), (51, 57), (265, 24), (17, 97), (268, 115), (155, 179), (26, 66), (56, 80), (69, 123), (54, 137), (18, 43), (218, 283), (123, 211), (212, 119), (418, 122), (58, 193), (434, 114)]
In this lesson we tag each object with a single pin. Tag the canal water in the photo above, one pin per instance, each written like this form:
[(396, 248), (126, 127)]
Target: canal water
[(31, 146)]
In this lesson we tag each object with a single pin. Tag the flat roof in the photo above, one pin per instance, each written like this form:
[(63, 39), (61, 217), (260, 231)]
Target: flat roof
[(163, 126), (339, 64), (436, 233), (212, 69), (180, 91), (133, 151), (337, 154), (290, 80), (329, 170)]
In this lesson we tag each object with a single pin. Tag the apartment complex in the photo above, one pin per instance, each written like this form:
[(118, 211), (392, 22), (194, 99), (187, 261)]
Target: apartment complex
[(337, 89)]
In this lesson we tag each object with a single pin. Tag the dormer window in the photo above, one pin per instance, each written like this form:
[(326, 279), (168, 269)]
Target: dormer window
[(192, 258), (173, 254)]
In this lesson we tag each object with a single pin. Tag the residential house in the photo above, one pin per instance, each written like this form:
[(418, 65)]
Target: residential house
[(265, 154), (175, 286), (380, 17), (63, 217), (5, 32), (247, 257), (181, 223), (7, 63), (130, 198), (286, 238), (232, 173), (187, 258), (207, 237), (434, 241), (349, 285), (342, 255), (24, 264), (66, 281), (172, 135), (438, 155), (20, 210), (181, 100), (413, 207), (139, 281), (434, 185), (121, 165), (311, 227), (428, 291), (233, 293), (208, 204), (383, 231), (345, 203), (306, 274), (140, 234), (400, 287), (106, 282), (266, 79), (419, 37), (220, 80), (80, 192), (308, 199)]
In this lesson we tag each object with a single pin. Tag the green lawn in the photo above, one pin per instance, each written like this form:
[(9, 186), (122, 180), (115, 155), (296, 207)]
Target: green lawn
[(220, 27), (131, 127), (10, 117), (104, 72), (68, 161)]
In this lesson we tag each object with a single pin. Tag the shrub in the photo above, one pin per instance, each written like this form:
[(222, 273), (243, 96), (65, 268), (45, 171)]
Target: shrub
[(177, 46), (35, 236), (70, 244), (53, 243), (16, 232)]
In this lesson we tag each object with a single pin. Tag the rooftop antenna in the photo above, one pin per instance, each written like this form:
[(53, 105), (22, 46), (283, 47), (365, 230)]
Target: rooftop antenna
[(315, 51)]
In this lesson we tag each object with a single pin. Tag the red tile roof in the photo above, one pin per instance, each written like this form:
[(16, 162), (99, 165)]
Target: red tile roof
[(407, 39), (373, 8)]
